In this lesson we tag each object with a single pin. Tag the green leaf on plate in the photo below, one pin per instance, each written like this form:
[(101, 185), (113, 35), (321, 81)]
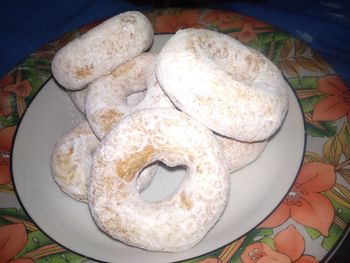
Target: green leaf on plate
[(332, 150), (255, 235), (312, 64), (4, 222), (43, 249), (269, 241), (308, 82), (345, 173), (335, 232), (344, 139), (34, 61), (63, 257), (342, 211), (212, 27), (299, 47), (268, 37), (265, 38), (305, 82), (9, 104), (36, 239), (308, 104), (212, 254), (270, 44), (276, 51), (8, 121), (14, 212), (312, 157), (294, 82), (280, 36), (32, 76), (329, 129), (313, 233), (257, 45)]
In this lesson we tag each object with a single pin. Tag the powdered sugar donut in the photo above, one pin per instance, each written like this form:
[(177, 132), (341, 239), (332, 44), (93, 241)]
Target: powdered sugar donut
[(180, 220), (227, 86), (239, 154), (102, 49), (107, 97), (78, 98), (71, 162)]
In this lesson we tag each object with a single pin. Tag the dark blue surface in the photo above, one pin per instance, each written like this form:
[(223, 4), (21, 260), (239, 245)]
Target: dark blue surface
[(27, 25), (324, 25)]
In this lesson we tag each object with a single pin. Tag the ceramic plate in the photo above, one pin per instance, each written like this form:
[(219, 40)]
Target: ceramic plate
[(251, 198), (273, 205)]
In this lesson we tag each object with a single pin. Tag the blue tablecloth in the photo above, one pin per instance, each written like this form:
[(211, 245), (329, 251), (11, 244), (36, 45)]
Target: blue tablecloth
[(27, 25)]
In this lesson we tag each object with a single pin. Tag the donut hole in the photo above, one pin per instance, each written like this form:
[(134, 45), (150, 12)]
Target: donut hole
[(165, 183), (135, 98)]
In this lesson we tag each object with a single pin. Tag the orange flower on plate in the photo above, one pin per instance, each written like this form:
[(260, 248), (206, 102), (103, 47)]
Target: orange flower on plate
[(290, 247), (249, 30), (247, 34), (169, 23), (337, 102), (304, 203), (6, 137), (9, 86), (20, 87), (223, 20), (5, 107), (246, 27), (13, 239)]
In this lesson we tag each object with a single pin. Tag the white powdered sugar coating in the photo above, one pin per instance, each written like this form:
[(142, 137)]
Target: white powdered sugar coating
[(230, 100), (180, 220), (78, 98), (107, 97), (102, 49), (239, 154), (71, 160), (230, 88)]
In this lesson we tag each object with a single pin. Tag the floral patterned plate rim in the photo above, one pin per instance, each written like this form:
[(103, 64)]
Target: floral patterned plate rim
[(314, 215)]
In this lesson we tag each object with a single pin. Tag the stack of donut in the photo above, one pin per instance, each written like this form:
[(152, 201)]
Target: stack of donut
[(206, 102)]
